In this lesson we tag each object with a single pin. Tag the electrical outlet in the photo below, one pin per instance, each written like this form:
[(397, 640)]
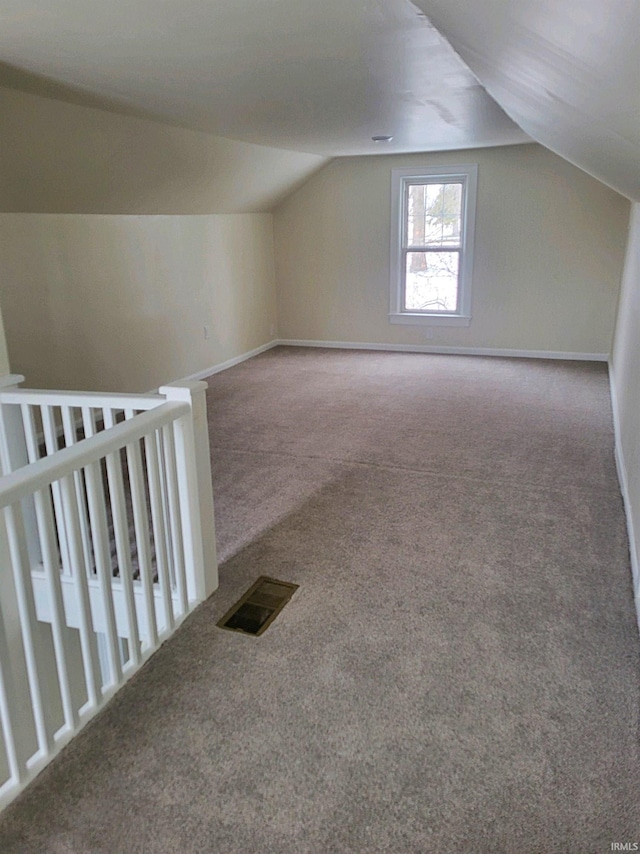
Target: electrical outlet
[(207, 332)]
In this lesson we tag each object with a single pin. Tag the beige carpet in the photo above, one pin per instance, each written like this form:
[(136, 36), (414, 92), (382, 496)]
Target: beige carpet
[(459, 670)]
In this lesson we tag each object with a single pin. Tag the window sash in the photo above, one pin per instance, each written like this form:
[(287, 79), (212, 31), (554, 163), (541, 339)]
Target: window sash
[(407, 183), (442, 251)]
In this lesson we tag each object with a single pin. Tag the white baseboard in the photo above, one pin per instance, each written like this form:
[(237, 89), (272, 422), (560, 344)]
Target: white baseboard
[(453, 351), (222, 366), (622, 478), (394, 348)]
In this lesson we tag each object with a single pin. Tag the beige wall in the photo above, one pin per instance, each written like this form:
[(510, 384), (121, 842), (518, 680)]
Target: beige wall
[(549, 252), (65, 158), (112, 296), (119, 303), (625, 379)]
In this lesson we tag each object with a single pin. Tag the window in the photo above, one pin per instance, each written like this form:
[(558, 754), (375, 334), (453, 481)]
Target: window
[(432, 225)]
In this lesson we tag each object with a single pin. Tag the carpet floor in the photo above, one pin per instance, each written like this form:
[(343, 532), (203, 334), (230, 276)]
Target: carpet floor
[(459, 669)]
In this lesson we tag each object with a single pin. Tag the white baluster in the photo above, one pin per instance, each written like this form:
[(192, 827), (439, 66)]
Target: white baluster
[(141, 525), (51, 445), (71, 437), (62, 649), (15, 744), (159, 531), (37, 679), (100, 539), (88, 642), (164, 498), (123, 545)]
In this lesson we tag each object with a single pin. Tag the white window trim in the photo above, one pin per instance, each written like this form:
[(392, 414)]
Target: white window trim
[(468, 174)]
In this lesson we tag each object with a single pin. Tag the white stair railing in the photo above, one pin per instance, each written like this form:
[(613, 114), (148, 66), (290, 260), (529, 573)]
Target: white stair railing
[(106, 544)]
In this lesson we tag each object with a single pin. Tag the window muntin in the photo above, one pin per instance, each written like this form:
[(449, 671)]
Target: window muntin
[(432, 242)]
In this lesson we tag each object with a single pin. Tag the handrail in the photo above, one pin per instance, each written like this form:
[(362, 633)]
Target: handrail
[(25, 481), (39, 397)]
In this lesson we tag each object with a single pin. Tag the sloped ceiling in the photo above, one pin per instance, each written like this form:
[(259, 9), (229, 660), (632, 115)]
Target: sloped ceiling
[(318, 77), (567, 72), (64, 158), (325, 77)]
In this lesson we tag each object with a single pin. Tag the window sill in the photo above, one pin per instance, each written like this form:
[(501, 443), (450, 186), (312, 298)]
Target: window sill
[(423, 319)]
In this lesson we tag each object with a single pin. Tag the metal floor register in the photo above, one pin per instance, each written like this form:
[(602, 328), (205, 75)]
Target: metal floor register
[(258, 608)]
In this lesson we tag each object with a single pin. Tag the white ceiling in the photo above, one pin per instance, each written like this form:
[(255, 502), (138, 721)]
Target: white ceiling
[(320, 77), (323, 77), (567, 72)]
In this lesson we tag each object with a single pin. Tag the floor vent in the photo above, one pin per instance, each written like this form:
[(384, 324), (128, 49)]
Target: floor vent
[(258, 608)]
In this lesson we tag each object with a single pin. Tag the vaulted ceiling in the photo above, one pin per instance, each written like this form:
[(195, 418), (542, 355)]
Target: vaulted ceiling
[(567, 72), (324, 77)]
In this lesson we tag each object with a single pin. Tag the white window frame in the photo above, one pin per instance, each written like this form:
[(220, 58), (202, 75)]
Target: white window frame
[(400, 179)]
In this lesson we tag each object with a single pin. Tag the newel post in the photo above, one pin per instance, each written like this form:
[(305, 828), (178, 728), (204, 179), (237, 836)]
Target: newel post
[(14, 449), (13, 455), (194, 393)]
